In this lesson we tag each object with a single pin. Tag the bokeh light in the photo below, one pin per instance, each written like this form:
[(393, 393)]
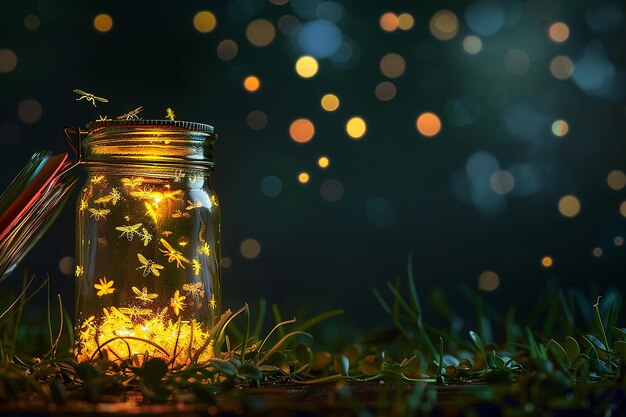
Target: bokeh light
[(405, 21), (66, 265), (204, 21), (485, 17), (319, 38), (226, 262), (330, 102), (389, 22), (306, 66), (303, 177), (252, 83), (560, 128), (385, 91), (257, 119), (561, 67), (250, 248), (618, 241), (103, 23), (428, 124), (569, 206), (597, 252), (392, 65), (331, 190), (29, 111), (288, 24), (444, 25), (302, 130), (622, 208), (323, 162), (488, 281), (558, 32), (227, 49), (516, 62), (502, 182), (616, 180), (8, 60), (472, 44), (547, 261), (271, 186), (356, 127), (32, 22), (260, 32)]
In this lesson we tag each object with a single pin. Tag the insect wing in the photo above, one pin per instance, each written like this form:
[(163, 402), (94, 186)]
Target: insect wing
[(142, 259)]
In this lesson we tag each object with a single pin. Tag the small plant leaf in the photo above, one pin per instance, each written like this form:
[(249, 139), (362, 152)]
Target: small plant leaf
[(225, 367), (152, 371), (304, 356), (557, 350), (321, 361), (572, 348), (371, 365), (250, 371), (620, 347), (341, 365)]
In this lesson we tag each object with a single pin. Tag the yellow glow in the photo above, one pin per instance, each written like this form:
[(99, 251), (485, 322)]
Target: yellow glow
[(444, 25), (616, 180), (597, 252), (306, 66), (260, 32), (250, 248), (560, 128), (622, 208), (392, 65), (303, 177), (130, 332), (561, 67), (356, 127), (405, 21), (252, 83), (488, 281), (323, 162), (330, 102), (302, 130), (389, 22), (558, 32), (547, 261), (618, 241), (103, 23), (204, 21), (428, 124), (569, 206), (227, 49)]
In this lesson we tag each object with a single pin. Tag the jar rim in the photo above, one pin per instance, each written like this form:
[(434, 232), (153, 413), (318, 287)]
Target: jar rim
[(94, 126)]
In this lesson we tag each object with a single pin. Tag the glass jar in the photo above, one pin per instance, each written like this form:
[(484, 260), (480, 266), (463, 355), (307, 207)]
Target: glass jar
[(148, 242)]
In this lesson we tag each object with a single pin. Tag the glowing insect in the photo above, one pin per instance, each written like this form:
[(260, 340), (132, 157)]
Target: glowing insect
[(144, 295), (115, 195), (79, 270), (146, 237), (212, 302), (103, 200), (89, 97), (116, 313), (172, 195), (135, 311), (150, 211), (193, 204), (131, 182), (214, 201), (205, 249), (99, 214), (194, 289), (129, 231), (173, 255), (131, 115), (97, 179), (178, 214), (169, 113), (166, 233), (146, 192), (195, 266), (149, 266), (177, 302), (178, 175), (193, 178), (161, 314), (84, 205), (103, 119), (104, 287)]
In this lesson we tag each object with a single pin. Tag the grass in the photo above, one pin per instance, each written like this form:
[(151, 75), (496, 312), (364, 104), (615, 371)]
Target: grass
[(569, 355)]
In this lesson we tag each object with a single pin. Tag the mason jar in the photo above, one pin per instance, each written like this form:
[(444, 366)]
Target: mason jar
[(148, 242)]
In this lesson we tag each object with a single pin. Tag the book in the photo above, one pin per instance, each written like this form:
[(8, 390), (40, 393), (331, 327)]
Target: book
[(30, 205)]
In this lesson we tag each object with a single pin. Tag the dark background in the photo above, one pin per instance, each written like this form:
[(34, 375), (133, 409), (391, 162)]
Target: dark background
[(403, 192)]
